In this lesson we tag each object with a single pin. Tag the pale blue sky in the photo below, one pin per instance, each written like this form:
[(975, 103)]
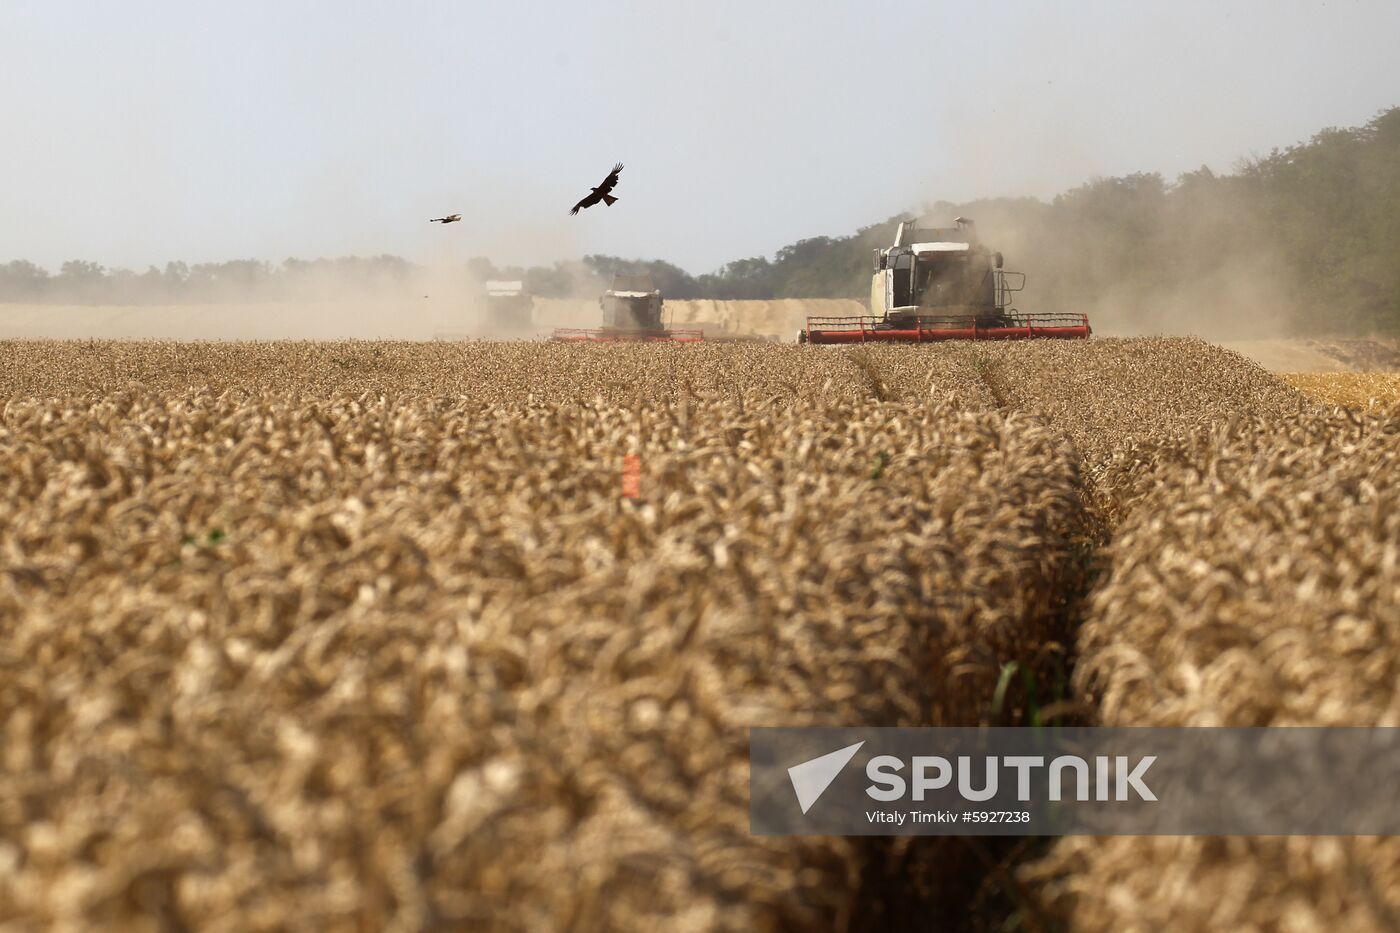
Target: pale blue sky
[(150, 130)]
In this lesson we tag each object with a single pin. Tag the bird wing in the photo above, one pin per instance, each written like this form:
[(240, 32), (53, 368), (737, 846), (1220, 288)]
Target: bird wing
[(589, 201), (611, 180)]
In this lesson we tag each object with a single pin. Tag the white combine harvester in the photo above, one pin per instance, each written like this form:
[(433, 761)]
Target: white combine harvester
[(941, 283)]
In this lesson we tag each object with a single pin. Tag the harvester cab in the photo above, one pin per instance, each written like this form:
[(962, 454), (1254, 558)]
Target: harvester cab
[(633, 303), (508, 307), (939, 271), (941, 283), (633, 311)]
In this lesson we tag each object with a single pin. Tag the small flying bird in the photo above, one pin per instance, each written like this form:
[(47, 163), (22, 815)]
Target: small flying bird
[(601, 193), (449, 219)]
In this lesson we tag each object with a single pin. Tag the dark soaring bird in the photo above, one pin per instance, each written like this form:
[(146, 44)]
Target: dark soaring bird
[(601, 193), (449, 219)]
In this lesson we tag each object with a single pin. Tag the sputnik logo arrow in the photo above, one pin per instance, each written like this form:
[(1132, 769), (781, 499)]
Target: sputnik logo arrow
[(811, 778)]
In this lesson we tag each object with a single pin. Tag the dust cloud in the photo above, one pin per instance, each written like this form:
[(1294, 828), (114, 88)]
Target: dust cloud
[(1245, 300), (1183, 278), (444, 302), (430, 303)]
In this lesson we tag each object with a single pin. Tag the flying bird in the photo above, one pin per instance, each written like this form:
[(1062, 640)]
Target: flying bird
[(602, 192), (449, 219)]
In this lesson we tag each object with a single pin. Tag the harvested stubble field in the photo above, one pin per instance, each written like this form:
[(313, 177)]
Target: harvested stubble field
[(1353, 390), (362, 634)]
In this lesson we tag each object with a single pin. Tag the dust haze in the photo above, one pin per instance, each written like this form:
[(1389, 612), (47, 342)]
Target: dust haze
[(1228, 291), (441, 302), (337, 300)]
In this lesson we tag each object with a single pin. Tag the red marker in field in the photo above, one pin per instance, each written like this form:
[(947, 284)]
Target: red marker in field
[(631, 476)]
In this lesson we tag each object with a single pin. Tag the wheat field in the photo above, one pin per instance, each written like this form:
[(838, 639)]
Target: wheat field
[(368, 635), (1255, 581), (338, 648)]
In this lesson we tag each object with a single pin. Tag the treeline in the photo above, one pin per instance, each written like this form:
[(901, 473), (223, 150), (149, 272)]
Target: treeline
[(80, 282), (820, 267), (1305, 239)]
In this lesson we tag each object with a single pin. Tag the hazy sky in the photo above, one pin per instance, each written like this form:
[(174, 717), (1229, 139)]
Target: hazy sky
[(149, 130)]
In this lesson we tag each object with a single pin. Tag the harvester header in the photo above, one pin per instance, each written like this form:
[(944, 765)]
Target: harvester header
[(941, 283)]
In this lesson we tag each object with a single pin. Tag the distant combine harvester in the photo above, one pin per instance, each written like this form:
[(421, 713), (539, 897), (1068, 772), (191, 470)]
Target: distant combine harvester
[(632, 313)]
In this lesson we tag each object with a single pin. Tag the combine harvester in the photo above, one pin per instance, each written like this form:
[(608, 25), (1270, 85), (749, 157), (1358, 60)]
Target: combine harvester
[(632, 313), (940, 283), (509, 308)]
